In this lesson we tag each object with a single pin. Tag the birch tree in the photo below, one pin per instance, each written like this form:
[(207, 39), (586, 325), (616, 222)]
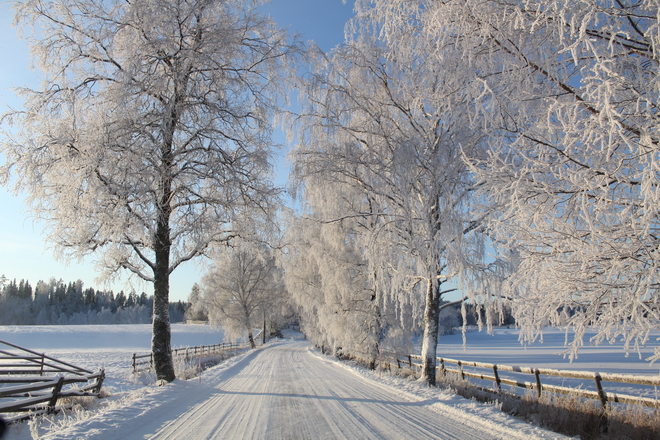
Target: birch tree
[(568, 92), (392, 122), (150, 134), (244, 284), (342, 305)]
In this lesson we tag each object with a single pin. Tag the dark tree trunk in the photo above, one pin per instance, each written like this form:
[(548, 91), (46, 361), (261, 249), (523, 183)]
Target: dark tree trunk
[(160, 343), (263, 333), (430, 342), (374, 349), (161, 340), (248, 327), (432, 310)]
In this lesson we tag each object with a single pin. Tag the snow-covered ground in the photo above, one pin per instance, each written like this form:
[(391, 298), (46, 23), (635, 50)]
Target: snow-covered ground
[(110, 347), (503, 347), (287, 390)]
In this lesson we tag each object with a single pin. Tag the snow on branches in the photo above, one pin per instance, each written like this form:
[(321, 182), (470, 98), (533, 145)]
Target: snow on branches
[(151, 133), (567, 95)]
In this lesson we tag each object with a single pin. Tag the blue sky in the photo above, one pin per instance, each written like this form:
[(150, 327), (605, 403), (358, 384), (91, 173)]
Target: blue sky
[(23, 252)]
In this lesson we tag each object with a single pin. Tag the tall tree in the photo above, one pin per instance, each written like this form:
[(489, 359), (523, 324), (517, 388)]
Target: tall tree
[(567, 92), (151, 133), (340, 305), (391, 122)]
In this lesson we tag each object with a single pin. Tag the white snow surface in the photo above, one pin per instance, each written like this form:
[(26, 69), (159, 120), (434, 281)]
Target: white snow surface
[(288, 390), (110, 347), (284, 390), (503, 348)]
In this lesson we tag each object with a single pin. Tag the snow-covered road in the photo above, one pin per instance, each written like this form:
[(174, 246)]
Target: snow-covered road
[(286, 391)]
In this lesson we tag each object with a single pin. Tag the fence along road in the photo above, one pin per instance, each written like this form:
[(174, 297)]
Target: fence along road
[(283, 391)]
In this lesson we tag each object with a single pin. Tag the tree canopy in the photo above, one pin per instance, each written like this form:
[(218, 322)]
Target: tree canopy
[(150, 137), (565, 94), (503, 149)]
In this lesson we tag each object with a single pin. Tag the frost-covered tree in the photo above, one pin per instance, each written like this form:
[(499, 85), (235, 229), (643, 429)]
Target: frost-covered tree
[(195, 310), (150, 134), (567, 92), (340, 304), (392, 123), (244, 283)]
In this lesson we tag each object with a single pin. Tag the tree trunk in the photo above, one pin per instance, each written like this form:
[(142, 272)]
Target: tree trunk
[(160, 342), (263, 333), (374, 349), (430, 342), (251, 338)]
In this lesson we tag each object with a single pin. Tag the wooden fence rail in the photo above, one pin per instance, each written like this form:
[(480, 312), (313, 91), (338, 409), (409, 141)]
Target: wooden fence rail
[(493, 373), (37, 363), (145, 361), (33, 382)]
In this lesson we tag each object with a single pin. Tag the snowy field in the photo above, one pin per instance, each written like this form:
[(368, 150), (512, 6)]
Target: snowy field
[(111, 347), (503, 347)]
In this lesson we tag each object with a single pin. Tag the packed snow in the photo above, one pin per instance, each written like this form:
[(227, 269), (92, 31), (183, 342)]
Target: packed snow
[(285, 389)]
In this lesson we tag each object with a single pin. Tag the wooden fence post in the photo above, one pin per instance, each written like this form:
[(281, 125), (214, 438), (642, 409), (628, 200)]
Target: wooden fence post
[(410, 361), (460, 369), (199, 367), (538, 382), (442, 367), (56, 393), (134, 365), (99, 381), (497, 379), (599, 388)]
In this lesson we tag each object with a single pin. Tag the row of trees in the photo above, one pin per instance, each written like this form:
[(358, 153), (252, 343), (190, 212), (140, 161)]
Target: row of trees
[(505, 150), (445, 131), (56, 302), (391, 201)]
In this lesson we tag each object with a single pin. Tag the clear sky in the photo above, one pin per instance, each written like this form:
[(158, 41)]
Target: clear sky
[(23, 251)]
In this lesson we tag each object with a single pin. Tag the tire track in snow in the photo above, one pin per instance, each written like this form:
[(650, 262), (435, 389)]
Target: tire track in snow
[(285, 392)]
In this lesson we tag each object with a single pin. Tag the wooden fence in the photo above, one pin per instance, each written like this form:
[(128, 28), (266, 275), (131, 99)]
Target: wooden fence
[(145, 361), (494, 373), (33, 382)]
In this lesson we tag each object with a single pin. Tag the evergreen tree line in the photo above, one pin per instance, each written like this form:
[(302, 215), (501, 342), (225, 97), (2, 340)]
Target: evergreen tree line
[(59, 303)]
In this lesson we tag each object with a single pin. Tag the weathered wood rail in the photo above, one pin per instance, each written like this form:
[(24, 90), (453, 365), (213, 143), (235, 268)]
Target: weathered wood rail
[(145, 361), (493, 373), (33, 382)]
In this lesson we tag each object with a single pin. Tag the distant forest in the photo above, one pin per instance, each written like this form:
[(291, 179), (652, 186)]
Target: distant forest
[(56, 302)]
